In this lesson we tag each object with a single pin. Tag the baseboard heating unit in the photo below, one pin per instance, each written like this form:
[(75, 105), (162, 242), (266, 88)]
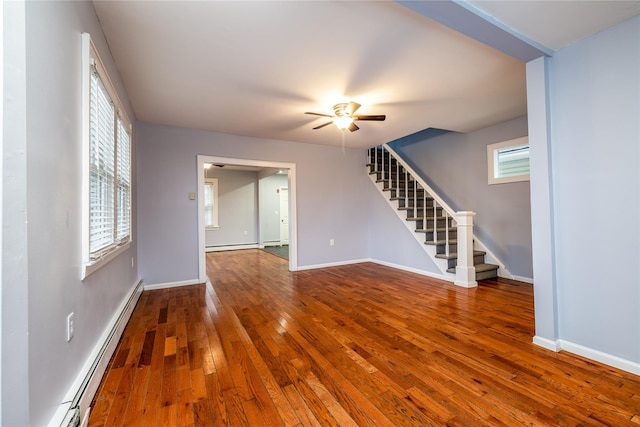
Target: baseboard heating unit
[(75, 410)]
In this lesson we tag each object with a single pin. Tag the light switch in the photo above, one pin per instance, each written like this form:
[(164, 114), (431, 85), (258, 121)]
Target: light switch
[(192, 196)]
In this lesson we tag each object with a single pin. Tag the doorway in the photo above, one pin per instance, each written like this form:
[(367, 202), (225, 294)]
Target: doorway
[(289, 208)]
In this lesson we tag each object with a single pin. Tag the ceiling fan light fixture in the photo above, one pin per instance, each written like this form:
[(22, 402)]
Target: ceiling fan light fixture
[(343, 122), (345, 117)]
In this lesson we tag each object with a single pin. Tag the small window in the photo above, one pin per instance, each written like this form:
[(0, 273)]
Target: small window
[(211, 203), (508, 161)]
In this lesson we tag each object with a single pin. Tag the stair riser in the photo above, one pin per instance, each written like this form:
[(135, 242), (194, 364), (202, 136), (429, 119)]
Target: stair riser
[(477, 259), (420, 211), (453, 235), (409, 203), (408, 195), (491, 274), (440, 223)]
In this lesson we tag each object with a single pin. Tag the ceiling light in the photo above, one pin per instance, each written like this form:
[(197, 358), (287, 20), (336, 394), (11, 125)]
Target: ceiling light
[(343, 122), (208, 165)]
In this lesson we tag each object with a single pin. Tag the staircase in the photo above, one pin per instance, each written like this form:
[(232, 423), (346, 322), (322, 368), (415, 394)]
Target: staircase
[(433, 218)]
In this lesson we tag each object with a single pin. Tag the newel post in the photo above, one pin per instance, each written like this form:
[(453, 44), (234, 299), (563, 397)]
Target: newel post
[(465, 271)]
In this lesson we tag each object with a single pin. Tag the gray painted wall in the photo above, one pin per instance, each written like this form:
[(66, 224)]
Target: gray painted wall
[(237, 208), (390, 241), (455, 165), (332, 197), (595, 111), (39, 370), (270, 206)]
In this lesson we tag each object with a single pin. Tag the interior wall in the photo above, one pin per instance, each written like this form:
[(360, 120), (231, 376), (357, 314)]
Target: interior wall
[(15, 274), (50, 249), (390, 241), (237, 208), (270, 207), (595, 111), (331, 197), (455, 166)]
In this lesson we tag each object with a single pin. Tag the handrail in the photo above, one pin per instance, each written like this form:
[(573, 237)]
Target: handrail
[(421, 181)]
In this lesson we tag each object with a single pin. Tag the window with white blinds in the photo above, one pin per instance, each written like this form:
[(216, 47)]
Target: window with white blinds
[(107, 217), (211, 203), (508, 161)]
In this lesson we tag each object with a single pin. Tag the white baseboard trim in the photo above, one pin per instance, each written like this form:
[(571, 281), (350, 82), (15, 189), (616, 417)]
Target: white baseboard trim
[(172, 284), (231, 247), (589, 353), (88, 380), (546, 343), (415, 270), (522, 279), (599, 356), (385, 263), (331, 264)]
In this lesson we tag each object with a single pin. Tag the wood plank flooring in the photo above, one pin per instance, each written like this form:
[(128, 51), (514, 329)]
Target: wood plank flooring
[(357, 345)]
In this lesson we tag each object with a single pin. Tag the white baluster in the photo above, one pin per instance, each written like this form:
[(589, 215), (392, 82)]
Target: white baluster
[(435, 221), (397, 178), (389, 166), (415, 200), (446, 233), (406, 187)]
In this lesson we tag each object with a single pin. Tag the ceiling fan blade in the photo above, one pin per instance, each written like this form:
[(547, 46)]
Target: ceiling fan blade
[(378, 117), (323, 125), (351, 108), (318, 114), (353, 127)]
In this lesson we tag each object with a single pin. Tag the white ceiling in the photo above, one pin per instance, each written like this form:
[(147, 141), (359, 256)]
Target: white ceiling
[(254, 68), (556, 24)]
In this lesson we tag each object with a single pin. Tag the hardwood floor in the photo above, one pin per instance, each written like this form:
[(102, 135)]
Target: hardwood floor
[(355, 345)]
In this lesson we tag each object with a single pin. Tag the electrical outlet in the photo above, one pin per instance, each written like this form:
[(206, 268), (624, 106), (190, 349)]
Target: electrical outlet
[(246, 232), (70, 320), (132, 262), (331, 242)]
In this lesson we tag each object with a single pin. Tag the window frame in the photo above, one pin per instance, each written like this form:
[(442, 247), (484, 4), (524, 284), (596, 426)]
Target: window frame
[(216, 221), (122, 177), (492, 152)]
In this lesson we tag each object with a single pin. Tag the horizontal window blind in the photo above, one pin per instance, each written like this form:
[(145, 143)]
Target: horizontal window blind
[(512, 161), (124, 182), (101, 171), (109, 167)]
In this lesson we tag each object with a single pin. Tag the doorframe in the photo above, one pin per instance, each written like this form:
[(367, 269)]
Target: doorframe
[(293, 223)]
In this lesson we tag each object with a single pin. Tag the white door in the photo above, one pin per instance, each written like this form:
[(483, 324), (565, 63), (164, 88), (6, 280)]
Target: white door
[(284, 216)]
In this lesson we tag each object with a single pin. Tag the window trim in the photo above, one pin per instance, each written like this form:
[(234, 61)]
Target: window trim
[(91, 57), (216, 218), (491, 156)]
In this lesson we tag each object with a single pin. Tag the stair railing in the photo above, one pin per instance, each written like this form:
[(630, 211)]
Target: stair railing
[(381, 157)]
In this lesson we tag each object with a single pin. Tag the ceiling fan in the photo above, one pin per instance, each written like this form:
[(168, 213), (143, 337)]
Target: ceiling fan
[(344, 116)]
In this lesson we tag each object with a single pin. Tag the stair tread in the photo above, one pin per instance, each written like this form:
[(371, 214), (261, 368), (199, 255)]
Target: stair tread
[(454, 255), (420, 218), (480, 268), (441, 242), (439, 230), (486, 267)]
